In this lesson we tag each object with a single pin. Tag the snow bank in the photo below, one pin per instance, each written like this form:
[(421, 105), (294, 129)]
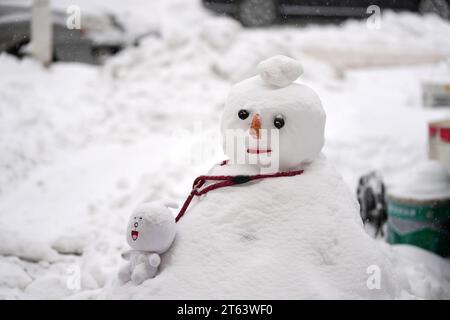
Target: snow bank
[(402, 38), (12, 243), (34, 122), (13, 276), (421, 273)]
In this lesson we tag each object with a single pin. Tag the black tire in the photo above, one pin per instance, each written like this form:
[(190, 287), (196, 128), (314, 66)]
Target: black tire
[(439, 7), (257, 13)]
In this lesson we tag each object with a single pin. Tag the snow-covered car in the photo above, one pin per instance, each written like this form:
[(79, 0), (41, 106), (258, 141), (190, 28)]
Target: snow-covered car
[(100, 35), (255, 13)]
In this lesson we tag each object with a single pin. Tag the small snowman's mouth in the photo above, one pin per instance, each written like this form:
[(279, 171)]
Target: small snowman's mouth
[(134, 235), (258, 151)]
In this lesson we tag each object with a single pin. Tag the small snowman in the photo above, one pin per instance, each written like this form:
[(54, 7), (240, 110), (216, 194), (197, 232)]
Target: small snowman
[(150, 232)]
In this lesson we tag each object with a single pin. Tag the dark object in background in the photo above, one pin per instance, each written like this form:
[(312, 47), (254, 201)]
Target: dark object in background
[(258, 13), (372, 202), (99, 37)]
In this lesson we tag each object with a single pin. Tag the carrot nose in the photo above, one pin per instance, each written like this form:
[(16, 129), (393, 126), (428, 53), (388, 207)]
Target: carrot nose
[(255, 126)]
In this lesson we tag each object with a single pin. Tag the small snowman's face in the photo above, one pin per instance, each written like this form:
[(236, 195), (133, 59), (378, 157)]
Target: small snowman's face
[(134, 227), (151, 228), (282, 125)]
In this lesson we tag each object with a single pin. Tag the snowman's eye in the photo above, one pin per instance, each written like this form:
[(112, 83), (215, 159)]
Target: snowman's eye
[(278, 122), (140, 218), (134, 218), (243, 114)]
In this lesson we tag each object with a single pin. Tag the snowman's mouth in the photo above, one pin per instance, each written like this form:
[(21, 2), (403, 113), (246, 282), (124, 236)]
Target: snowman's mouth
[(134, 235), (258, 151)]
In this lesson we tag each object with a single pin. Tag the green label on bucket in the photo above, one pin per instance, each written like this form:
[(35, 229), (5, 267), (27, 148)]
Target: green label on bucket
[(437, 212), (423, 225), (429, 239)]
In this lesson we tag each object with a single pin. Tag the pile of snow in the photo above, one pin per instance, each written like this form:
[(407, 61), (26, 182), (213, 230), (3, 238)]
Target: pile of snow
[(13, 244), (137, 17), (402, 38), (422, 273), (35, 123)]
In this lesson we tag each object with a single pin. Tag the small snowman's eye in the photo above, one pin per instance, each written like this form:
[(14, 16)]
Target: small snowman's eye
[(278, 122), (140, 218), (243, 114), (134, 218)]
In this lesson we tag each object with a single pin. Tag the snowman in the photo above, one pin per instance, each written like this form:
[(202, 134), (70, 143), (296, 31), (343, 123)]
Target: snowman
[(276, 221)]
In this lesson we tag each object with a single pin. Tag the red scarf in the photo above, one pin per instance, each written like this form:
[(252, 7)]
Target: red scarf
[(227, 181)]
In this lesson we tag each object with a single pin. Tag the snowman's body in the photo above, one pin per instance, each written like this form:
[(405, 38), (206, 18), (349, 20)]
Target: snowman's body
[(274, 238), (297, 237)]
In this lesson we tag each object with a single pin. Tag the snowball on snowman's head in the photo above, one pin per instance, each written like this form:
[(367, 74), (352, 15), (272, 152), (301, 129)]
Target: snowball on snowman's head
[(281, 119), (151, 227)]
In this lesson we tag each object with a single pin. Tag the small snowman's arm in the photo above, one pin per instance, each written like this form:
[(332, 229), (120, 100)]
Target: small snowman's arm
[(154, 260)]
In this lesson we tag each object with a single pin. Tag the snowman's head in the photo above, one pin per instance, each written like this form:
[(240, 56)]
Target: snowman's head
[(151, 227), (278, 120)]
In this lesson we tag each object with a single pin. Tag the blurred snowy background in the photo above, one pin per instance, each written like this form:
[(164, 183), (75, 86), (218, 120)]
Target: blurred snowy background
[(81, 145)]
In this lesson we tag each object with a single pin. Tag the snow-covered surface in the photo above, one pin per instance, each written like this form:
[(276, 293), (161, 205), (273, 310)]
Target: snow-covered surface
[(429, 180), (440, 73), (81, 146)]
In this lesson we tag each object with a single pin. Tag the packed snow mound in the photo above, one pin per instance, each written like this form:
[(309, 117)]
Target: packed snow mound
[(421, 273), (220, 32), (283, 238)]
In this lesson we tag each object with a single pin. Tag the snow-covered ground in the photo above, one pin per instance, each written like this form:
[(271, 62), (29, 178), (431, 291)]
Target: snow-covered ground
[(80, 146)]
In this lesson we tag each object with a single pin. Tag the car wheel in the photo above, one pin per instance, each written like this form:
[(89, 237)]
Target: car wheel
[(257, 13), (439, 7)]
